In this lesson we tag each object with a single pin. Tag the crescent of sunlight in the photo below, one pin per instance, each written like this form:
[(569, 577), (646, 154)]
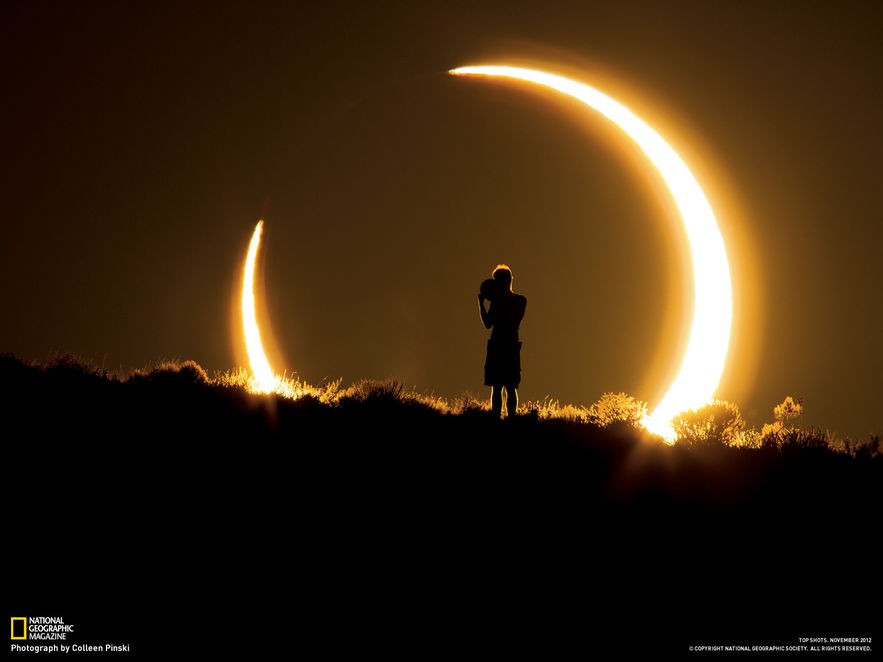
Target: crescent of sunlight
[(703, 361)]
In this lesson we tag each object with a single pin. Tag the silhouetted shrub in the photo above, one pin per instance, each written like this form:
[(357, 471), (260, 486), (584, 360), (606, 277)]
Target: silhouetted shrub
[(773, 434), (718, 423), (793, 438), (788, 410), (872, 447), (288, 387), (14, 372), (373, 390), (185, 372), (615, 408), (549, 409), (469, 404), (69, 366)]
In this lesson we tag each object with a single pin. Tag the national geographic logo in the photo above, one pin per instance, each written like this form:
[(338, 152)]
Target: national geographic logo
[(50, 634), (44, 628), (18, 627)]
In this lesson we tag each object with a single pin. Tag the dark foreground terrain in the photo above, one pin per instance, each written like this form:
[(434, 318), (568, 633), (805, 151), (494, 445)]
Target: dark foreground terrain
[(193, 519)]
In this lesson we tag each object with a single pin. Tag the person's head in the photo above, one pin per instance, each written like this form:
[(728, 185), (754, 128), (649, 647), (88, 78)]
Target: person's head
[(503, 275)]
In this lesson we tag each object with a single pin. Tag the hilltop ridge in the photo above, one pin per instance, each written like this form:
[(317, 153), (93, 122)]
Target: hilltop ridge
[(404, 527)]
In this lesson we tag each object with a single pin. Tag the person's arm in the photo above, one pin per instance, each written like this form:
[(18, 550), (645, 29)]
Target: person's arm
[(485, 314)]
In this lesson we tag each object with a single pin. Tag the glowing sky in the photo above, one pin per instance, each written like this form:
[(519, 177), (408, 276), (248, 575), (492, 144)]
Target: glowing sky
[(146, 139)]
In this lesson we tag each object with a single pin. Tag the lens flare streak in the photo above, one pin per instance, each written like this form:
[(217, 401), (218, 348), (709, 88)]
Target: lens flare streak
[(706, 352)]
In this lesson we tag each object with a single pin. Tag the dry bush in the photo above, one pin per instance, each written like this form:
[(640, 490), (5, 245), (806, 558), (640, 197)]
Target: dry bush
[(619, 408), (719, 423), (289, 387), (775, 434), (469, 403)]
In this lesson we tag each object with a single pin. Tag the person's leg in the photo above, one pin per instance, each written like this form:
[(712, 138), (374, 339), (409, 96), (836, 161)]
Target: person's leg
[(511, 400), (497, 399)]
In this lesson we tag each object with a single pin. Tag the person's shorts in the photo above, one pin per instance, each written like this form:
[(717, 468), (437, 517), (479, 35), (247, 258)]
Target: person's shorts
[(503, 363)]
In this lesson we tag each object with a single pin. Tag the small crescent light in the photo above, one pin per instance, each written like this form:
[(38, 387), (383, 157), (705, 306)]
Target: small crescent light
[(706, 352), (264, 379)]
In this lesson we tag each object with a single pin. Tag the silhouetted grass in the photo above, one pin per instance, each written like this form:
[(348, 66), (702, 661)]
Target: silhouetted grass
[(391, 518)]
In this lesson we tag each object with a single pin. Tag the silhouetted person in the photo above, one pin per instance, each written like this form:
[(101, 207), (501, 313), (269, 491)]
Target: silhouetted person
[(502, 368)]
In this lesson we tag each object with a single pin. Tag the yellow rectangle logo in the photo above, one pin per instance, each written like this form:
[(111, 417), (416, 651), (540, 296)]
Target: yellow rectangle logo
[(20, 624)]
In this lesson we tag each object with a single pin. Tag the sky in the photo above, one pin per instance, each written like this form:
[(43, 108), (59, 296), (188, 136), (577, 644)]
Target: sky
[(143, 141)]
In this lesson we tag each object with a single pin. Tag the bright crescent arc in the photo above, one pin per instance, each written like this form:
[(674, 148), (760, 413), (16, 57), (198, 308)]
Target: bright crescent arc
[(265, 380), (706, 351)]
